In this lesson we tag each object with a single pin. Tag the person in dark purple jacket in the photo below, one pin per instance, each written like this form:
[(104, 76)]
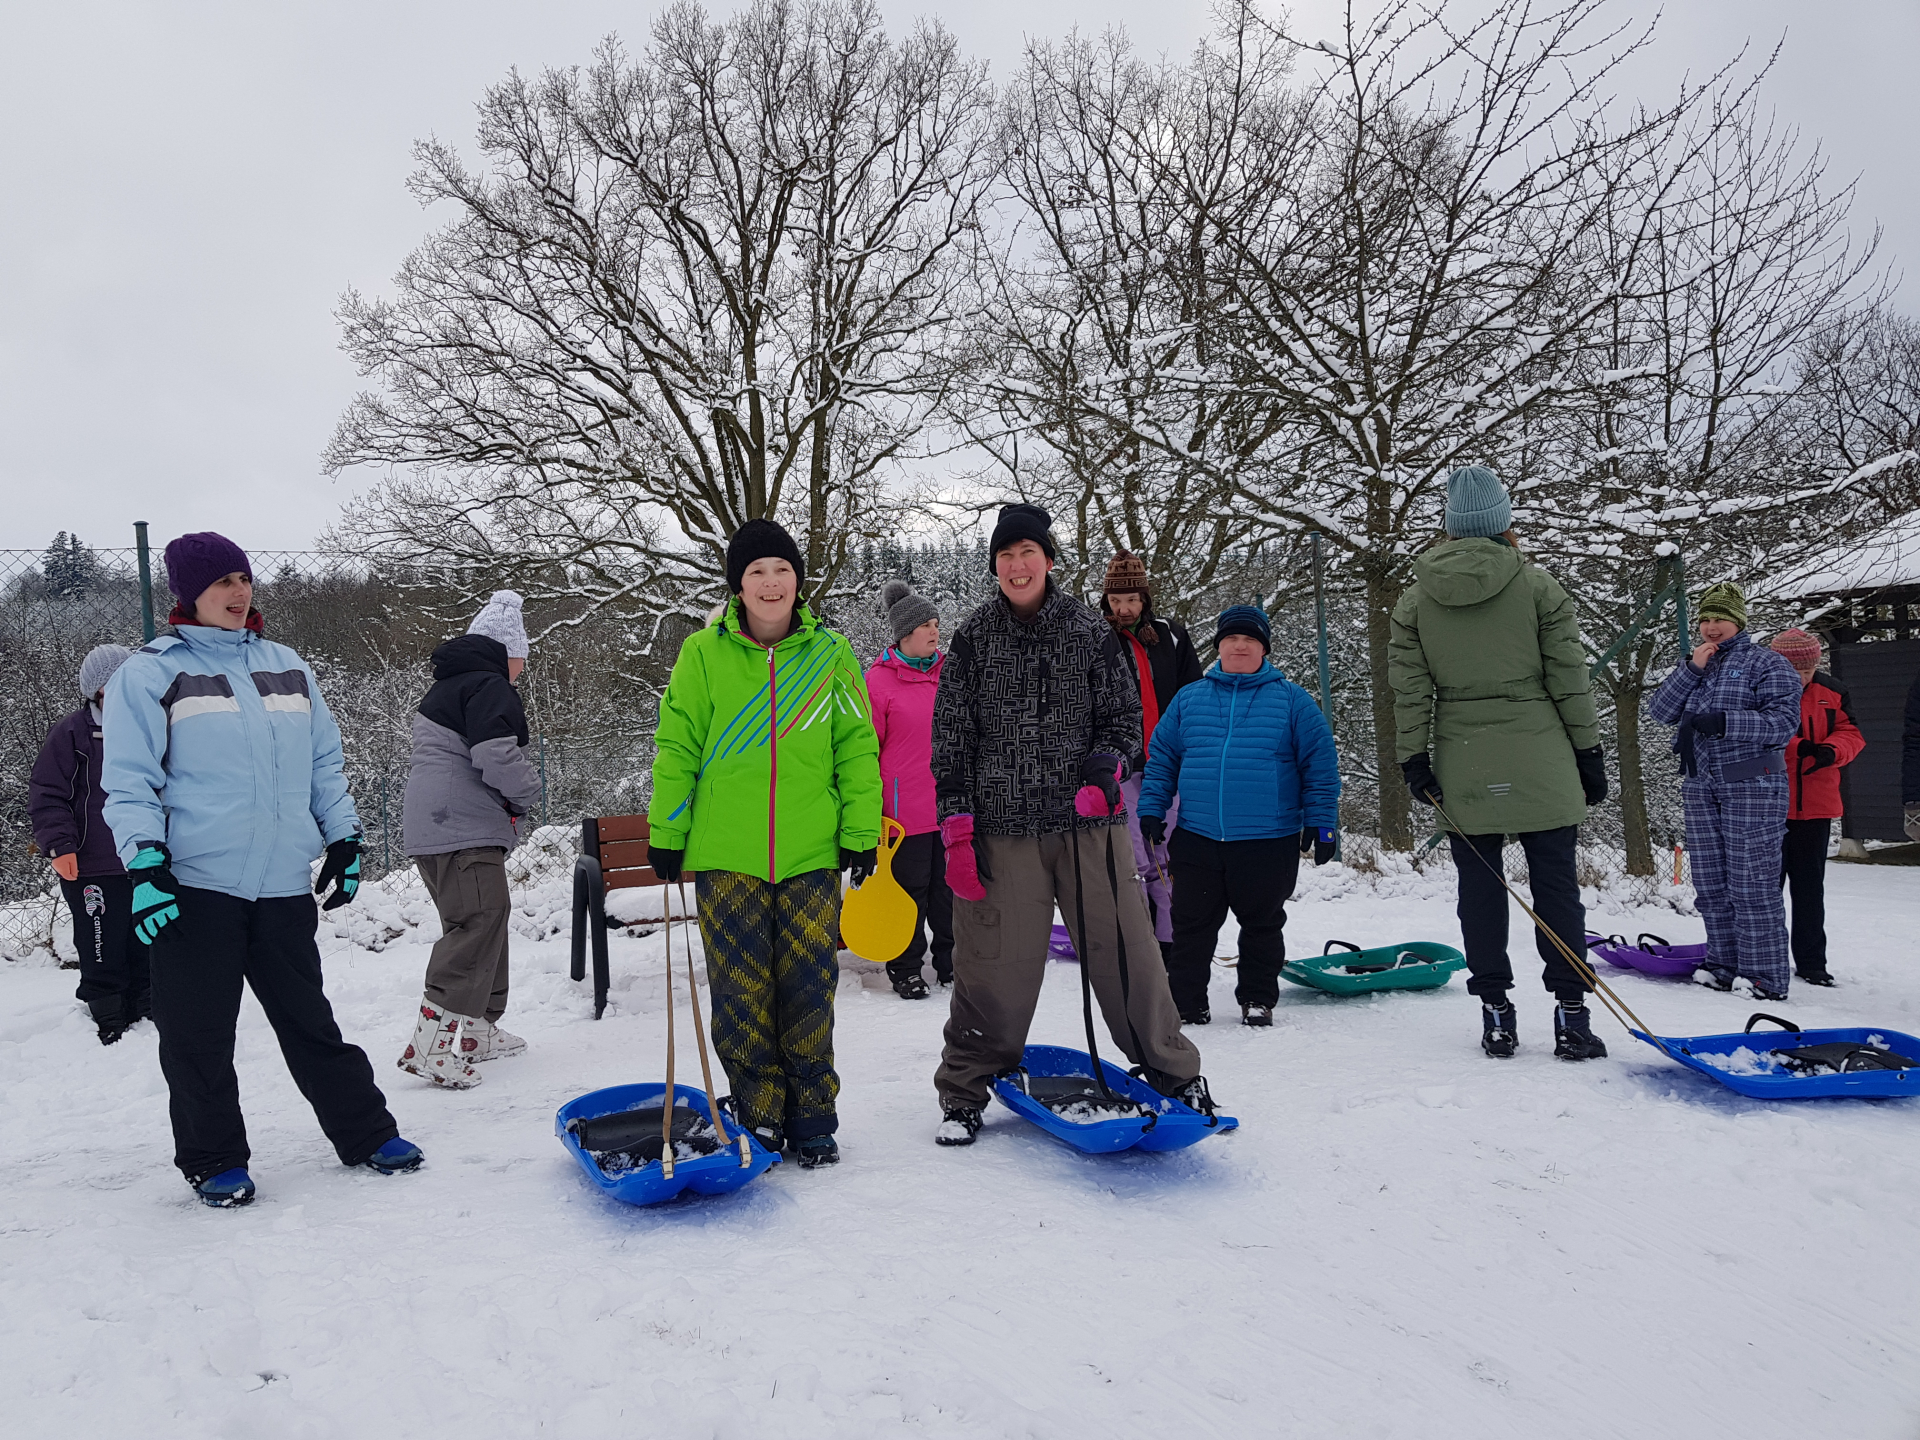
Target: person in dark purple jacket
[(65, 799)]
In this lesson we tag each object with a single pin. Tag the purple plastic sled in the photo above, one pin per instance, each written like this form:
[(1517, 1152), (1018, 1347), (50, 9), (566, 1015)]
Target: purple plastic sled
[(1060, 946), (1648, 954)]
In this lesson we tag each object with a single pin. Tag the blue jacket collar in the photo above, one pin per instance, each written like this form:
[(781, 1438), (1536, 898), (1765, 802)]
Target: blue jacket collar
[(1265, 675)]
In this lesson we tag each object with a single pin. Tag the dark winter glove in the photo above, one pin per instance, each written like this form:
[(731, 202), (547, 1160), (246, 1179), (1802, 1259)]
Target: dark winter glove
[(1592, 763), (1418, 772), (1153, 830), (156, 894), (1710, 722), (342, 871), (1822, 755), (1322, 840), (1099, 785), (665, 863), (859, 864)]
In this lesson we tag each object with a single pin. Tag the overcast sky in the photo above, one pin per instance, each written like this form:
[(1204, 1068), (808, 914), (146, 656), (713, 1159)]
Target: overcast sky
[(189, 187)]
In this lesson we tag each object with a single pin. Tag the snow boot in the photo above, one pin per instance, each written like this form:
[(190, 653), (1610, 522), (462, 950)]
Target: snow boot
[(910, 987), (815, 1151), (483, 1040), (1195, 1095), (1712, 979), (1499, 1029), (1259, 1016), (434, 1052), (227, 1190), (958, 1125), (1573, 1037), (394, 1157), (1820, 977), (1202, 1016)]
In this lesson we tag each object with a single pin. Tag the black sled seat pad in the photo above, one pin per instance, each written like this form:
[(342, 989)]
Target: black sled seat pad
[(626, 1119), (632, 1137)]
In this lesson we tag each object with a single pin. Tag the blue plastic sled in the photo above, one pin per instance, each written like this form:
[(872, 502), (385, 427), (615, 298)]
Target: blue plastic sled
[(1765, 1075), (647, 1184), (1166, 1124)]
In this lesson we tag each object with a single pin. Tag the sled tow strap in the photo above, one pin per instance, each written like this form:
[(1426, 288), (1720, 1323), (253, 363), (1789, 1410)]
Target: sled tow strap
[(1081, 946), (666, 1101), (700, 1031)]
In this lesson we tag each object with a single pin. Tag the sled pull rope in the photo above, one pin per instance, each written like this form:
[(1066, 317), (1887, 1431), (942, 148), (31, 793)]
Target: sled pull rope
[(666, 1103), (1615, 1005), (700, 1032), (1086, 974)]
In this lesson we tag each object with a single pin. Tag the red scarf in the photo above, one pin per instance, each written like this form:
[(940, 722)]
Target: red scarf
[(1149, 700), (181, 615)]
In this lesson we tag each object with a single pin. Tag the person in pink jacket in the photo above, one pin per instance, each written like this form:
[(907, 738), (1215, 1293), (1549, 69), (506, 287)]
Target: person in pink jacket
[(901, 684)]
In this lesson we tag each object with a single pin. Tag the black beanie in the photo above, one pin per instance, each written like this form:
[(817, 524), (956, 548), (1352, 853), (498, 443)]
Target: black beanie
[(1021, 522), (758, 540)]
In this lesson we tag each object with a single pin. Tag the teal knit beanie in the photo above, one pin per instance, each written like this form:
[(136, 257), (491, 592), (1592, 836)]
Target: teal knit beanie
[(1477, 503)]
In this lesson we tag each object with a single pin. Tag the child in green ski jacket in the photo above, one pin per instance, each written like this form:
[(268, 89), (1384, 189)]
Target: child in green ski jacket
[(766, 784)]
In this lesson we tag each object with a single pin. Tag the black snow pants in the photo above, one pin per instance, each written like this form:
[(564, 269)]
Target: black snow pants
[(199, 963), (1556, 900), (1252, 878), (1803, 871), (113, 964), (920, 867)]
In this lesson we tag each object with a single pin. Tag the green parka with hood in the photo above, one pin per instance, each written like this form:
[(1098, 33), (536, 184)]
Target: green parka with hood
[(766, 762), (1489, 674)]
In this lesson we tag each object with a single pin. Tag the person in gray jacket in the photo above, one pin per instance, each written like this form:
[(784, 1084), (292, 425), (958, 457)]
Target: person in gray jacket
[(471, 780)]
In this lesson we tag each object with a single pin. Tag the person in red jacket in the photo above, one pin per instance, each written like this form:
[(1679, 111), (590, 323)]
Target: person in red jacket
[(901, 685), (1828, 740)]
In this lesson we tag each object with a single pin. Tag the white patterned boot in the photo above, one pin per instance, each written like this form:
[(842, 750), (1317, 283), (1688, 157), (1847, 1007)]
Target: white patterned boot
[(483, 1040), (434, 1052)]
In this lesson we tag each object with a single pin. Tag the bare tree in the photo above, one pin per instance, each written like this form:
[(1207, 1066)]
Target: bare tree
[(708, 285), (1859, 395)]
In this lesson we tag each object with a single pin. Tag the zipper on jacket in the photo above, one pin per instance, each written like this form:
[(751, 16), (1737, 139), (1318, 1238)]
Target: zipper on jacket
[(1225, 750), (773, 761)]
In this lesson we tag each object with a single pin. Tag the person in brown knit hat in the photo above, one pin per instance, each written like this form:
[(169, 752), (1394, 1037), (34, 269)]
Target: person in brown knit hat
[(1164, 662), (1828, 740)]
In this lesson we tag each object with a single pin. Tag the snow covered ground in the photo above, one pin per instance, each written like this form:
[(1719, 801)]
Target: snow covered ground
[(1404, 1238)]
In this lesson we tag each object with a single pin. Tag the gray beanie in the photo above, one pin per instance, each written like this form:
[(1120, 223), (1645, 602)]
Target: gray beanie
[(99, 666), (500, 619), (1477, 503), (906, 611)]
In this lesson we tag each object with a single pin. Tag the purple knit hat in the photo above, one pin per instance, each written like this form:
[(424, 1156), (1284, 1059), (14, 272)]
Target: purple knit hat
[(195, 561)]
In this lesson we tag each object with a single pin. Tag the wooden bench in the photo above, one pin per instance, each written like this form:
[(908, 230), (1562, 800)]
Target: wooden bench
[(613, 856)]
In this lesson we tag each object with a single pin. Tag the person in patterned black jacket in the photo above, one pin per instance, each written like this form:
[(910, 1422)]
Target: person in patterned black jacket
[(1035, 716)]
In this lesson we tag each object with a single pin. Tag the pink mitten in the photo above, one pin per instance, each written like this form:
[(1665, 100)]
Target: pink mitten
[(964, 870), (1099, 797)]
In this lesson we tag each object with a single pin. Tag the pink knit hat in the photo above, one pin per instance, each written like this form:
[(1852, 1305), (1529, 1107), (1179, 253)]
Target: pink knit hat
[(1801, 649)]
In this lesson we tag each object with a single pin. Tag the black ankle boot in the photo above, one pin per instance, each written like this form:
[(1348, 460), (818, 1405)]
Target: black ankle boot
[(1499, 1035), (1573, 1037)]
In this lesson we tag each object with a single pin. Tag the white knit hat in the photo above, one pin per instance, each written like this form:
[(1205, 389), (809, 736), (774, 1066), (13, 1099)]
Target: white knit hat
[(500, 619), (99, 666)]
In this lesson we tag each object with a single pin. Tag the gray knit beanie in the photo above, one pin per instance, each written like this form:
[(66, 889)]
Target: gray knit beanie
[(906, 611), (501, 619), (99, 666), (1477, 503)]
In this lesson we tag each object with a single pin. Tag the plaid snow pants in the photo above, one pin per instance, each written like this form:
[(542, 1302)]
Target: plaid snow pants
[(771, 970), (1735, 831)]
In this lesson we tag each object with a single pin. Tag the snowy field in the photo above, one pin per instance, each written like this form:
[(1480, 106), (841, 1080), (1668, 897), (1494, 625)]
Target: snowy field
[(1403, 1239)]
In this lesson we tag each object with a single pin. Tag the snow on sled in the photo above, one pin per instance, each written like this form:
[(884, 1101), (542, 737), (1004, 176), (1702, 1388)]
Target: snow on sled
[(615, 1134), (1808, 1064), (1650, 955), (1417, 965), (1055, 1089)]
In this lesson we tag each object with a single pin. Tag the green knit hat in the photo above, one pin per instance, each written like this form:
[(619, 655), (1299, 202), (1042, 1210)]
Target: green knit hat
[(1723, 602)]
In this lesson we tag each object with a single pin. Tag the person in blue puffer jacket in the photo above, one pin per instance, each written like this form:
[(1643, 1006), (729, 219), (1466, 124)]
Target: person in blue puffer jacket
[(221, 766), (1252, 760)]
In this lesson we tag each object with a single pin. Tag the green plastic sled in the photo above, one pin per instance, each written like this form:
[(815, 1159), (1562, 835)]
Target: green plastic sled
[(1417, 965)]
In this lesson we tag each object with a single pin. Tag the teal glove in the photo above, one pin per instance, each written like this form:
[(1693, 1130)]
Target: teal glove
[(342, 871), (156, 894)]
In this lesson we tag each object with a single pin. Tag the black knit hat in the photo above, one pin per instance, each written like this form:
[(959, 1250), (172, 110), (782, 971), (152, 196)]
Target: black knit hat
[(1248, 620), (1021, 522), (759, 540)]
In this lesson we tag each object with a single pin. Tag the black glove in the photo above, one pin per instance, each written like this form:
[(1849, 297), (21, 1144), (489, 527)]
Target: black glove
[(1593, 773), (1153, 830), (1102, 771), (1710, 722), (342, 871), (1822, 755), (665, 863), (1322, 840), (859, 864), (1418, 772), (156, 894)]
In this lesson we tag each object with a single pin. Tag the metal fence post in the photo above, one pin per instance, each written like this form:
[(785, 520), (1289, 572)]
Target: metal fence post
[(146, 581), (1326, 662), (543, 778), (386, 833)]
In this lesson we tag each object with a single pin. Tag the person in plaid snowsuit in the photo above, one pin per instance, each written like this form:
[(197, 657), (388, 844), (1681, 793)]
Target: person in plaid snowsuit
[(1735, 706)]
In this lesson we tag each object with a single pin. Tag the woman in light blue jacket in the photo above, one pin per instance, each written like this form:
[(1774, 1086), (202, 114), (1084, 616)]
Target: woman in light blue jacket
[(222, 775), (1252, 760)]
